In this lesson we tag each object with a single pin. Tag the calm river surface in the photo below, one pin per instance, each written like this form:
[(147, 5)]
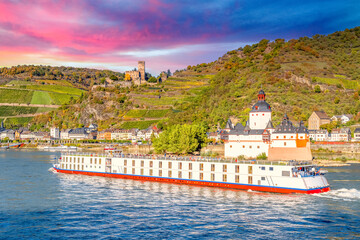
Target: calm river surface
[(38, 204)]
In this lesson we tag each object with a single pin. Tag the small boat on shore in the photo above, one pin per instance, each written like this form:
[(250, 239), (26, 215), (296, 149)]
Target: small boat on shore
[(60, 149)]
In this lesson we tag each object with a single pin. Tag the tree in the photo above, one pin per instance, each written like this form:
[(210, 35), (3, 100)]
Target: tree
[(127, 77), (168, 73), (152, 80), (181, 139), (317, 89), (114, 78)]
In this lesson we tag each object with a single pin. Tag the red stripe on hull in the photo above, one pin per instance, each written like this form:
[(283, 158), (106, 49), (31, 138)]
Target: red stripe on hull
[(199, 183)]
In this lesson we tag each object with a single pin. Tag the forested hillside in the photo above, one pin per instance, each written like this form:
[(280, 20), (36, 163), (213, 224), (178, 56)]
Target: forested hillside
[(298, 76)]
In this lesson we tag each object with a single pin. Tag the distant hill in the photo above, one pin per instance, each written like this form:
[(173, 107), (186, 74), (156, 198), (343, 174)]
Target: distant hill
[(298, 76)]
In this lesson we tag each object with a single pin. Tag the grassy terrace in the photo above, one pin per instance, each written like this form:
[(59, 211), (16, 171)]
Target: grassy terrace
[(158, 101), (16, 121), (19, 110), (15, 96), (338, 81), (138, 113), (138, 124), (56, 89)]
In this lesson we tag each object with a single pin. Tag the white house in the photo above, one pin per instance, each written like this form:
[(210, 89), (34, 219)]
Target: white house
[(340, 135), (55, 133), (344, 118), (7, 134), (64, 134), (319, 135), (357, 134)]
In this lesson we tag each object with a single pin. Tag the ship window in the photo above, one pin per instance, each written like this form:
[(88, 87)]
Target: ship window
[(160, 173), (212, 167), (169, 174), (180, 165), (142, 163), (237, 178), (284, 143), (150, 172), (271, 168), (201, 176), (262, 168), (142, 171), (284, 136), (170, 165), (133, 163), (224, 178), (262, 178), (133, 171), (151, 163), (82, 167), (201, 166), (286, 173), (224, 168), (160, 164), (237, 168), (277, 136), (190, 175), (95, 161), (125, 162), (125, 170), (249, 179), (258, 146), (90, 160), (292, 136), (78, 160), (190, 166), (212, 177), (70, 159), (82, 160), (230, 146), (179, 174), (250, 146)]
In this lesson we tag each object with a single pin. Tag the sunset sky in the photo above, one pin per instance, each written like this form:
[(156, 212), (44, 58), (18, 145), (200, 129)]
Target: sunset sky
[(166, 34)]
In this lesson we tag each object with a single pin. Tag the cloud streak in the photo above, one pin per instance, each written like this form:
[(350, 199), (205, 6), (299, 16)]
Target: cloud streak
[(118, 33)]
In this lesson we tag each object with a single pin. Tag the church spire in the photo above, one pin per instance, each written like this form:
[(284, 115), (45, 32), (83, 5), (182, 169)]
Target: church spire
[(261, 95)]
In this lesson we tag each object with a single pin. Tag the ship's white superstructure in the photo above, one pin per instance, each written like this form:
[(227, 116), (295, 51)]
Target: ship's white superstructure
[(282, 177)]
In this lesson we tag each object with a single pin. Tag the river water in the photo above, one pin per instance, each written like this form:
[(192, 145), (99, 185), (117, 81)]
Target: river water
[(38, 204)]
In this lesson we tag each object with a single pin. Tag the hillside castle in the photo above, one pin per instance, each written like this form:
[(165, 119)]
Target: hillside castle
[(137, 76), (285, 142)]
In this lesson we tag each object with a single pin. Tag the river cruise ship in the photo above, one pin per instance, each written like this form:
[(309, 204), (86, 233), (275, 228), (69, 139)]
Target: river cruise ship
[(265, 176)]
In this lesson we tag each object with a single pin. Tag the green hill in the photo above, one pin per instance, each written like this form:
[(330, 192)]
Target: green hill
[(298, 76)]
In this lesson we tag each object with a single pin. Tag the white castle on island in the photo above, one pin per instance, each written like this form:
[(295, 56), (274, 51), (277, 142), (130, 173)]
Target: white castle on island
[(285, 142)]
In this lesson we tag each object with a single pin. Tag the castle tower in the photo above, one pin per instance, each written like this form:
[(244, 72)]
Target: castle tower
[(141, 69), (260, 114)]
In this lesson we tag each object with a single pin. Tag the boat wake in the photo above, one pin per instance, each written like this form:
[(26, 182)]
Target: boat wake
[(52, 170), (342, 194)]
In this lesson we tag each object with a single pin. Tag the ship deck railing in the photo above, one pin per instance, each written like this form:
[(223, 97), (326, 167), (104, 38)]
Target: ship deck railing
[(189, 158)]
